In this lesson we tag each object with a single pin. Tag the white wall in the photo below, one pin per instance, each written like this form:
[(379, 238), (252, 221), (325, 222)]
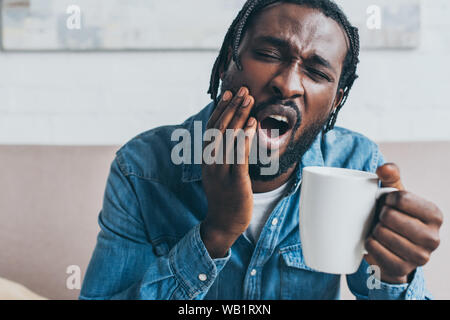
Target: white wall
[(107, 98)]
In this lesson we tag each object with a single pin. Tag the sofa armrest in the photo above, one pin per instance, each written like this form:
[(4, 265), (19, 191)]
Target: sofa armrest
[(10, 290)]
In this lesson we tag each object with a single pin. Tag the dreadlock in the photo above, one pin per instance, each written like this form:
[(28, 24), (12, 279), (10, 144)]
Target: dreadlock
[(328, 8)]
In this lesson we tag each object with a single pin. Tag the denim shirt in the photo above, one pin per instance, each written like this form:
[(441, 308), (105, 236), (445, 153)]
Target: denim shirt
[(149, 245)]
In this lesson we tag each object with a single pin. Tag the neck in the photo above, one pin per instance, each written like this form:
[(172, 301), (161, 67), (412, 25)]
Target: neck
[(267, 186)]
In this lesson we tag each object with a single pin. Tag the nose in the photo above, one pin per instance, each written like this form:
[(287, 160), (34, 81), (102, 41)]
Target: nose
[(287, 83)]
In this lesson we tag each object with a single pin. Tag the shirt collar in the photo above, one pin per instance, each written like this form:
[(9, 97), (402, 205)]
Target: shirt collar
[(193, 172)]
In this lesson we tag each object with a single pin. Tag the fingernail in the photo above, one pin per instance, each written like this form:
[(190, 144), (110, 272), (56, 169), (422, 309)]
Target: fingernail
[(247, 101), (241, 92), (251, 122), (226, 96)]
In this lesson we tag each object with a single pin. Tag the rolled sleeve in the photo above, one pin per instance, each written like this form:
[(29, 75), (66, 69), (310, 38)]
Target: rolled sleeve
[(192, 265), (415, 290)]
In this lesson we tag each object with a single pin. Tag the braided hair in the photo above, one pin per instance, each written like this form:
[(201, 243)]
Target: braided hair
[(237, 29)]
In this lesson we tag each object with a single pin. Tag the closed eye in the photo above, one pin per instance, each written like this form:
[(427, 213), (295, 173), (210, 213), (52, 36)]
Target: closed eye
[(317, 74), (268, 55)]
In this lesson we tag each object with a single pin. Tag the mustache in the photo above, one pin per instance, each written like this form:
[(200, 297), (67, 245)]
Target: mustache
[(276, 101)]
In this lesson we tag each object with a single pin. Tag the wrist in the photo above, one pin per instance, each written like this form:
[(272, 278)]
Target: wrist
[(393, 280), (216, 241)]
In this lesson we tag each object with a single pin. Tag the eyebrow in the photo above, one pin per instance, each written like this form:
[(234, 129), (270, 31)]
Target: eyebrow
[(282, 43), (317, 59)]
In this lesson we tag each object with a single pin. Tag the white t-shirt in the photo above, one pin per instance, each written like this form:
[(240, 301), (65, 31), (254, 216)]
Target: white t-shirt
[(263, 205)]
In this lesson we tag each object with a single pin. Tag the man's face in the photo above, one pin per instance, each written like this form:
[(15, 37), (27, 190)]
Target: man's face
[(292, 58)]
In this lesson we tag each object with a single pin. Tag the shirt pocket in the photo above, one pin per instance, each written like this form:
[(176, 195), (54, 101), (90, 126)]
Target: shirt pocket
[(300, 282)]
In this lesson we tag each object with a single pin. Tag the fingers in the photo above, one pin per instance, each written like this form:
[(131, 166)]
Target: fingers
[(241, 169), (225, 118), (223, 103), (401, 246), (242, 113), (235, 132), (386, 260), (389, 175), (416, 207), (409, 227), (230, 117)]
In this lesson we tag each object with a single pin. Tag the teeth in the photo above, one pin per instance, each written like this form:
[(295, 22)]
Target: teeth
[(279, 118)]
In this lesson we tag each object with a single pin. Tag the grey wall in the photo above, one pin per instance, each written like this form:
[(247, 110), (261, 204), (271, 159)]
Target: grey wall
[(106, 98)]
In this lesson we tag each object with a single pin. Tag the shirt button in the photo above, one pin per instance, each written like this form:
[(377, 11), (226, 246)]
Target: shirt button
[(202, 277), (253, 273), (274, 221)]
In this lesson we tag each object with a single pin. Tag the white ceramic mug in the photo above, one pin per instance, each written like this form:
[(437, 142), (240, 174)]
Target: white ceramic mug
[(337, 208)]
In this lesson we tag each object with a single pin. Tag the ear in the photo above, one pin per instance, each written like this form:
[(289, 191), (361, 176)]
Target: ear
[(338, 99), (224, 67)]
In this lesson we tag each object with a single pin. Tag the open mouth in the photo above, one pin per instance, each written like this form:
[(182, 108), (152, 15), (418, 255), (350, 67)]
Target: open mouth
[(275, 125), (275, 122)]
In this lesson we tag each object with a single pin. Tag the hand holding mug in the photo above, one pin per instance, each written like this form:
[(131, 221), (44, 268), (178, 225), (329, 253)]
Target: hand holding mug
[(407, 231), (338, 225)]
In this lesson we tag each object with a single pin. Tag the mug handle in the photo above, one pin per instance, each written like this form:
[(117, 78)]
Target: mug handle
[(379, 193), (382, 191)]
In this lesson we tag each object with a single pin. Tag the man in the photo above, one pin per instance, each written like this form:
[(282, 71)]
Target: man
[(224, 230)]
